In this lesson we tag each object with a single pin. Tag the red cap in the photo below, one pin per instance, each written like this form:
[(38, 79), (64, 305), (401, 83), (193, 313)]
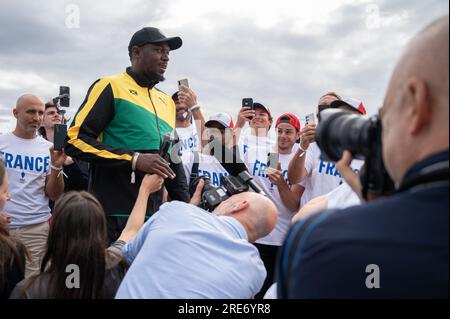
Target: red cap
[(289, 118)]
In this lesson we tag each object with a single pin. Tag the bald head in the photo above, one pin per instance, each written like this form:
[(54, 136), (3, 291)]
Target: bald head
[(415, 112), (426, 57), (255, 212), (29, 112), (27, 99)]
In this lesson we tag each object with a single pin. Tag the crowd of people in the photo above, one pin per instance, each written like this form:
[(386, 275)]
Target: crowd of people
[(128, 215)]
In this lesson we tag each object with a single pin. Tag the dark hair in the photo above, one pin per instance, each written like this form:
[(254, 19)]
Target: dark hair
[(9, 254), (78, 237)]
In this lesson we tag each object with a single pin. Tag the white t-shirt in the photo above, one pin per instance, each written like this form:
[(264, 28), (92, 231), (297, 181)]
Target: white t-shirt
[(27, 163), (257, 170), (342, 197), (189, 140), (261, 144), (322, 176), (208, 166)]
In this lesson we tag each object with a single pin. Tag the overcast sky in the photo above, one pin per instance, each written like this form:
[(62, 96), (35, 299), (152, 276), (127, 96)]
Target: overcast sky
[(283, 53)]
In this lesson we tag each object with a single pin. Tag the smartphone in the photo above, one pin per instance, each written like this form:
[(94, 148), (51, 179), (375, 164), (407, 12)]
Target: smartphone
[(248, 102), (60, 136), (64, 96), (184, 82), (310, 119), (272, 160), (307, 120)]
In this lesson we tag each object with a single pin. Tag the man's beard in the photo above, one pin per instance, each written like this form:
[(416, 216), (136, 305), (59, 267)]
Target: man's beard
[(155, 77)]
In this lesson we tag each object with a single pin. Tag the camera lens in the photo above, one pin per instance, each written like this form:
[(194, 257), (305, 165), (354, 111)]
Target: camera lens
[(340, 130)]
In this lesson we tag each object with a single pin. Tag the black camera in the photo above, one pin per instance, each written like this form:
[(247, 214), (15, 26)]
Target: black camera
[(212, 196), (340, 130)]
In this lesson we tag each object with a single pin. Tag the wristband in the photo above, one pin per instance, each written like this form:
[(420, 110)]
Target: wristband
[(133, 166), (59, 169), (193, 108)]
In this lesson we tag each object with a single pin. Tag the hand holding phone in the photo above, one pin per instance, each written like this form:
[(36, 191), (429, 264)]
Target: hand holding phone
[(59, 136)]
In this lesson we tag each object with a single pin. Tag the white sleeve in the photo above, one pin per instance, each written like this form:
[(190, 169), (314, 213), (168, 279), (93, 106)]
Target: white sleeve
[(310, 158)]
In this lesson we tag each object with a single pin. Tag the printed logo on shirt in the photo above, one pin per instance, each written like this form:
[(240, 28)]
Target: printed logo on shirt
[(215, 177), (25, 163), (188, 144), (329, 168), (134, 92), (259, 169)]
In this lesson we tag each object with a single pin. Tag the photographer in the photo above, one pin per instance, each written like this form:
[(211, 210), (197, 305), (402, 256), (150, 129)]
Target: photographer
[(397, 246), (185, 252)]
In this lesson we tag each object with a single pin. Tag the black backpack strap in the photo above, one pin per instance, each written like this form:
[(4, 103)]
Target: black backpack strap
[(290, 250)]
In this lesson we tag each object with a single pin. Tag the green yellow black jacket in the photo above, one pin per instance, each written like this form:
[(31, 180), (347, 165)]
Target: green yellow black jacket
[(122, 114)]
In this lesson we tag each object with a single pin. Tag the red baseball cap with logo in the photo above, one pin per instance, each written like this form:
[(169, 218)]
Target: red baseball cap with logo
[(289, 118)]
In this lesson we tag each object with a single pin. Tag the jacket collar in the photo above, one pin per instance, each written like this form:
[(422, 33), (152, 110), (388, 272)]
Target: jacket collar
[(140, 80)]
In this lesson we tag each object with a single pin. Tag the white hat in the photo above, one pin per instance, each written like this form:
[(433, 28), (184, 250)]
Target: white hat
[(222, 118)]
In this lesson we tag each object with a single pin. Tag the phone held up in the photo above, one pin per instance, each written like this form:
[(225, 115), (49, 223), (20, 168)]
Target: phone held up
[(184, 82), (272, 160), (59, 136), (248, 102), (308, 119)]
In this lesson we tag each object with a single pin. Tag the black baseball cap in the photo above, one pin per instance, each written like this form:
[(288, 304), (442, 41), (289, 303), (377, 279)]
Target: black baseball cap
[(153, 35)]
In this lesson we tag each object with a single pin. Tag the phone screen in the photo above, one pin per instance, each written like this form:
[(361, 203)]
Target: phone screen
[(60, 136), (184, 82), (272, 160), (308, 119), (247, 102)]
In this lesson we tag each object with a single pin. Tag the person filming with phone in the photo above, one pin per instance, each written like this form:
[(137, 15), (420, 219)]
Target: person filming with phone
[(269, 171), (120, 127), (319, 177)]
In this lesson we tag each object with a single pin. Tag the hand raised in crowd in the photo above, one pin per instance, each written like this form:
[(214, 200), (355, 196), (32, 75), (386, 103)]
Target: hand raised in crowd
[(154, 164), (57, 158), (197, 197), (347, 173), (187, 96), (307, 135), (245, 115), (276, 176), (151, 183)]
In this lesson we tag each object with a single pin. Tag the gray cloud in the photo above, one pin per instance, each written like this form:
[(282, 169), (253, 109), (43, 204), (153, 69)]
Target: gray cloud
[(285, 68)]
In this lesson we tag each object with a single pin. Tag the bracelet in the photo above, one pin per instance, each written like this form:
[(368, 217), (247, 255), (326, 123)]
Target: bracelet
[(59, 169), (55, 168), (193, 108), (134, 160), (133, 166), (301, 148)]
